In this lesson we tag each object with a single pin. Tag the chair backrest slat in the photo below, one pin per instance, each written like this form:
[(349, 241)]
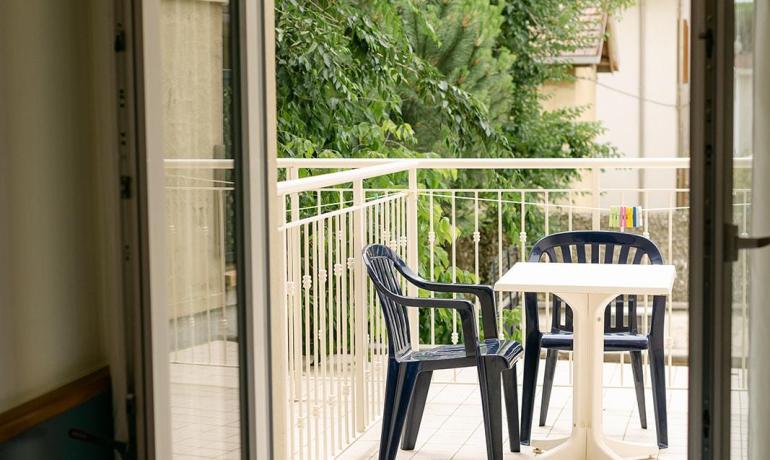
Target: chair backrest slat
[(625, 306), (623, 257), (581, 253), (609, 253), (381, 264)]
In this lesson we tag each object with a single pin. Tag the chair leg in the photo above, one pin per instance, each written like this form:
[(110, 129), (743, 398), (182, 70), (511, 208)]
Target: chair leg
[(402, 378), (658, 377), (636, 368), (416, 409), (388, 410), (531, 363), (489, 381), (510, 389), (550, 370)]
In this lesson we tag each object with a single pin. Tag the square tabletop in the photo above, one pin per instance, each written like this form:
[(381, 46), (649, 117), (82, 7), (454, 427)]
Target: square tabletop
[(588, 278)]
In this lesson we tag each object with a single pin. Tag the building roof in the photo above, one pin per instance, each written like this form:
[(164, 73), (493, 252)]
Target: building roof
[(598, 39)]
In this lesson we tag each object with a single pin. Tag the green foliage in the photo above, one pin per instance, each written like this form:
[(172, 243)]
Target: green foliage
[(453, 78), (340, 67), (459, 39)]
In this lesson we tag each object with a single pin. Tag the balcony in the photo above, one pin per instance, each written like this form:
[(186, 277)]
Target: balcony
[(329, 355)]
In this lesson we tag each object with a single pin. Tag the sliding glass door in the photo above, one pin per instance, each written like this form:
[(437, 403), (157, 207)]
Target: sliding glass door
[(204, 308), (195, 125), (731, 225)]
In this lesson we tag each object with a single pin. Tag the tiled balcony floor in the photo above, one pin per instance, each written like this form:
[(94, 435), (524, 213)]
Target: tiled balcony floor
[(452, 425), (205, 415)]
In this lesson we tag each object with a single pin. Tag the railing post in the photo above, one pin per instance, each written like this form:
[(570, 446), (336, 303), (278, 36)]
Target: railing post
[(413, 255), (361, 342), (279, 340), (596, 198)]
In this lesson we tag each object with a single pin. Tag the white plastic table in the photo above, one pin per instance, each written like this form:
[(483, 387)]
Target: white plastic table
[(588, 288)]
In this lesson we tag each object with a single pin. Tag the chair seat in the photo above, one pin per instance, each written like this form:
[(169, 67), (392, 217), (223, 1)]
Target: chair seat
[(509, 350), (621, 341)]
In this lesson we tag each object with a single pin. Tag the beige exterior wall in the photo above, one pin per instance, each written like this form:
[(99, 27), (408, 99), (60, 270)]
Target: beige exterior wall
[(580, 92)]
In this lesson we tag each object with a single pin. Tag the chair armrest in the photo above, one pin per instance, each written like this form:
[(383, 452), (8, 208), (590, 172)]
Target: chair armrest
[(484, 293), (463, 307)]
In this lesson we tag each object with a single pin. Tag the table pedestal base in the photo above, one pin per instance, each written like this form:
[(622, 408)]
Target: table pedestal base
[(587, 440), (586, 443)]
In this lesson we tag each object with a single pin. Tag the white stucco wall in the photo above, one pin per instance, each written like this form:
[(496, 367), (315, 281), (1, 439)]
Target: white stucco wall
[(649, 127)]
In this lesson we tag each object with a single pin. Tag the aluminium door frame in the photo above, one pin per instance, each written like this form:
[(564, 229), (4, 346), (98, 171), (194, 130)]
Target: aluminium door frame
[(143, 421), (258, 175), (711, 140), (138, 63)]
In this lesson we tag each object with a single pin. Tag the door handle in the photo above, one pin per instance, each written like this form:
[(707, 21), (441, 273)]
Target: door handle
[(752, 243), (734, 243)]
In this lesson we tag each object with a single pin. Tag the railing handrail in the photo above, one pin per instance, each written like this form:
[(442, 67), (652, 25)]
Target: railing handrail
[(344, 177), (499, 163), (454, 163)]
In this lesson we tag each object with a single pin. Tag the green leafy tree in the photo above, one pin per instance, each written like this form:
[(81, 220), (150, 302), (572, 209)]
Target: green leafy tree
[(340, 65)]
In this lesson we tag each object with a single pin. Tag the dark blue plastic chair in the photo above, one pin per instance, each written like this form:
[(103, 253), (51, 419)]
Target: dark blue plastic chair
[(410, 372), (621, 335)]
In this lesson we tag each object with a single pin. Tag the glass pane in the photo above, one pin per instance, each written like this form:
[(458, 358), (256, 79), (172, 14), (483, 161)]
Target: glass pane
[(743, 123), (200, 213)]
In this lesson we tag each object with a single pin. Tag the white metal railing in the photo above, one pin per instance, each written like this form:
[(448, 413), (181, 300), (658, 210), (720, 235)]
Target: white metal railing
[(336, 338)]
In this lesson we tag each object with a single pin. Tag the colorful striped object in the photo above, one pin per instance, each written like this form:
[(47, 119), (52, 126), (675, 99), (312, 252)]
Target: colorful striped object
[(625, 217)]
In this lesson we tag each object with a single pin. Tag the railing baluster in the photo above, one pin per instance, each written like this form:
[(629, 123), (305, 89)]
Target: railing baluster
[(412, 253), (432, 246), (335, 354), (359, 235), (670, 310), (370, 349), (455, 336), (476, 240), (322, 295), (307, 284), (348, 342), (522, 255), (596, 198), (316, 251), (290, 295), (499, 260), (647, 309), (547, 212)]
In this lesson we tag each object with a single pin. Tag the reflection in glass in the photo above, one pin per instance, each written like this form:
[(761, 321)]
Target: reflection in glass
[(200, 213)]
